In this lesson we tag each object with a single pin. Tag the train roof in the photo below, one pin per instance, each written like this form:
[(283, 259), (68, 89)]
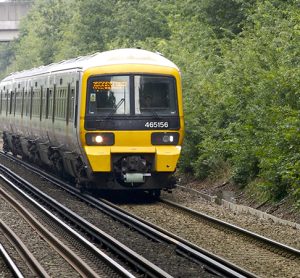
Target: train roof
[(112, 57)]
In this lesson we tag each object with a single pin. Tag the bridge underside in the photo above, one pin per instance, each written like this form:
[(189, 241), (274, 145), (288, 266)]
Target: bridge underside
[(8, 30), (6, 36), (10, 15)]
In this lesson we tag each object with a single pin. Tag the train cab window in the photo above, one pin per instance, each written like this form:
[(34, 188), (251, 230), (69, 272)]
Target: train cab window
[(155, 94), (108, 94)]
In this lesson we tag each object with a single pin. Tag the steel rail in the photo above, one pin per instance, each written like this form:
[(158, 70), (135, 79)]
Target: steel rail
[(126, 253), (265, 240), (76, 262), (23, 251), (185, 248), (68, 254), (12, 266)]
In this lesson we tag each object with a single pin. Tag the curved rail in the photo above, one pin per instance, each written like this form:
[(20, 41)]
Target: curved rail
[(12, 266)]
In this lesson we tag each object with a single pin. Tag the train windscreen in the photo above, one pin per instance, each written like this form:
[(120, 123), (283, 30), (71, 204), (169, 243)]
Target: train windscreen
[(155, 94), (108, 94), (148, 95)]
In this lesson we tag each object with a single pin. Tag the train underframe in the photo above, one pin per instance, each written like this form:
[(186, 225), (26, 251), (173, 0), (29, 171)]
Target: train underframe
[(129, 171)]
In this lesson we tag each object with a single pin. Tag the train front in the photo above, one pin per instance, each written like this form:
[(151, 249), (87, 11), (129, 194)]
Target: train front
[(132, 125)]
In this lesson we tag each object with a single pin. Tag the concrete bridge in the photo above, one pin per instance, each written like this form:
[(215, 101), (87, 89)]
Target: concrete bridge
[(10, 15)]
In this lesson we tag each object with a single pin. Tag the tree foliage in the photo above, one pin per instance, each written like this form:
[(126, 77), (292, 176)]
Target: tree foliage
[(240, 66)]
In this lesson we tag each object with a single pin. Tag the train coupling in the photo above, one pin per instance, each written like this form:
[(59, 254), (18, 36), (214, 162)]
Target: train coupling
[(135, 177)]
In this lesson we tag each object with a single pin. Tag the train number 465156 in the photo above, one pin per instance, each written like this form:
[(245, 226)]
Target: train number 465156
[(157, 124)]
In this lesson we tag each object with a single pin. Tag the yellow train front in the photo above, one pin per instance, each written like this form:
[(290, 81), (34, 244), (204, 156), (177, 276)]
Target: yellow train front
[(131, 122), (112, 120)]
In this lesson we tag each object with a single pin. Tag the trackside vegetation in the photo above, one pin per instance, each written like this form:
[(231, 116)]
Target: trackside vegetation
[(240, 66)]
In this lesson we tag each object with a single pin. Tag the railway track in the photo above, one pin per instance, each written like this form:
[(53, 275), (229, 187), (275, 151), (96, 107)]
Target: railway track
[(12, 269), (258, 254), (67, 253), (29, 259), (273, 245), (191, 256)]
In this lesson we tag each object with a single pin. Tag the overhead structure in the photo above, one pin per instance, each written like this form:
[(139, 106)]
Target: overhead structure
[(10, 16)]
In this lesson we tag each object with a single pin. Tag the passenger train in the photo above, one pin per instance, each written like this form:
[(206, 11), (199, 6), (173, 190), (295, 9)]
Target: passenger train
[(112, 120)]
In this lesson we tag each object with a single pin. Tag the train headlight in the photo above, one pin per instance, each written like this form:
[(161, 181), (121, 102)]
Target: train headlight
[(100, 139), (164, 138)]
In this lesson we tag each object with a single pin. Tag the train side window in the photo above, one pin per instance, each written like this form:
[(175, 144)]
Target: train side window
[(41, 103), (14, 105), (25, 104), (67, 104), (37, 102), (72, 102), (53, 103), (0, 102), (23, 98), (47, 99), (76, 103), (7, 101), (31, 102), (58, 103), (11, 102), (27, 101), (50, 103), (17, 102), (64, 104)]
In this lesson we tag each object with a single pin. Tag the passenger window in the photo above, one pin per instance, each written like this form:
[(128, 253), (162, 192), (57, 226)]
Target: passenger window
[(11, 96), (1, 102), (18, 102), (22, 109), (7, 101), (30, 102), (41, 103), (50, 110), (47, 99)]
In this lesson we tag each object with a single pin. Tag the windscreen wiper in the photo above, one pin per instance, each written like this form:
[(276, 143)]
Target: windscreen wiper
[(113, 111), (153, 112)]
